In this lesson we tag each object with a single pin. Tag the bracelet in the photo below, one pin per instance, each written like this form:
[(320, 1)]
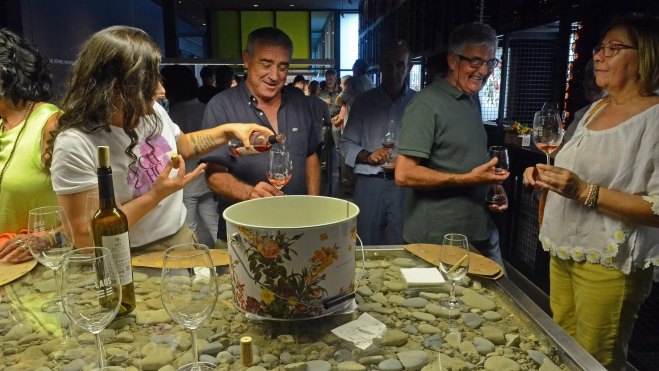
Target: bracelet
[(591, 199), (51, 238)]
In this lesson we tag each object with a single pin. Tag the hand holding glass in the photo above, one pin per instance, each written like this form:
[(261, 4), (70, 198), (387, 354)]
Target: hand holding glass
[(501, 168), (189, 292), (547, 131), (388, 143), (454, 263), (279, 170)]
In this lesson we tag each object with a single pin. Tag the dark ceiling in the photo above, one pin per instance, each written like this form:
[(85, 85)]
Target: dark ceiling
[(349, 5)]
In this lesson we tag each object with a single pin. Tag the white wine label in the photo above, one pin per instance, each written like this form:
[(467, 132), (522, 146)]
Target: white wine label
[(120, 248), (246, 151)]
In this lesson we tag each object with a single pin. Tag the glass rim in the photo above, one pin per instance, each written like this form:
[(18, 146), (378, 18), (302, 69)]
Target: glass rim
[(172, 249), (80, 256), (43, 210), (493, 148), (455, 236)]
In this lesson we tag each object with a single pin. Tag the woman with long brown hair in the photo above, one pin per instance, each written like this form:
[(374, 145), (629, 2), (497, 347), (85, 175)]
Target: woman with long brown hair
[(109, 102)]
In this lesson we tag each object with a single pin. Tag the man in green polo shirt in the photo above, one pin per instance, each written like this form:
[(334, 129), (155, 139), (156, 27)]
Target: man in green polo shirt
[(443, 150)]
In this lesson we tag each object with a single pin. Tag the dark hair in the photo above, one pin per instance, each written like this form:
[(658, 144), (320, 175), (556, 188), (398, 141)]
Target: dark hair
[(268, 36), (206, 72), (314, 87), (323, 84), (298, 78), (361, 65), (117, 67), (23, 71), (330, 71), (469, 35), (179, 82), (223, 77), (643, 32), (390, 46)]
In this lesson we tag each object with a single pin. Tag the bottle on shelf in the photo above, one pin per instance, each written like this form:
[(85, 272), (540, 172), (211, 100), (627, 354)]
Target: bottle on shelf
[(110, 229), (260, 143)]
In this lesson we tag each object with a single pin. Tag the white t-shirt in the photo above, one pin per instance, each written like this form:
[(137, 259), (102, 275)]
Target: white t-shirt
[(625, 159), (74, 170)]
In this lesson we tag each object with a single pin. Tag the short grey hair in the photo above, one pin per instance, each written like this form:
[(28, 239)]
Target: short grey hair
[(469, 35), (268, 36)]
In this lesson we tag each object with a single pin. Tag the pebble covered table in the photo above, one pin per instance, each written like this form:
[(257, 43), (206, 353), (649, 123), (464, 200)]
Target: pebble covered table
[(503, 329)]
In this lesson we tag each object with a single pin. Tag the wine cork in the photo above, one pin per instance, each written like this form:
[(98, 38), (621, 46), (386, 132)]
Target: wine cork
[(174, 157), (246, 355), (103, 156)]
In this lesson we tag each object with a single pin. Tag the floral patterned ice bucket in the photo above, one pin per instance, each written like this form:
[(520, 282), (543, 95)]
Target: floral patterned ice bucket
[(292, 257)]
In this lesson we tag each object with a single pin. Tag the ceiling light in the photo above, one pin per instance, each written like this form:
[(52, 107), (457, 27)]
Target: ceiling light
[(292, 5), (256, 5)]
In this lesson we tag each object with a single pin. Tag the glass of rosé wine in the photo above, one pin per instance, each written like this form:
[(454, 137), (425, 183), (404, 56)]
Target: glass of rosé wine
[(547, 131), (501, 168), (279, 170)]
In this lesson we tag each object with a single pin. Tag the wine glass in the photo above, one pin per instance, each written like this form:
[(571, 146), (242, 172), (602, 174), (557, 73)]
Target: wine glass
[(547, 131), (501, 168), (454, 263), (279, 168), (388, 143), (189, 291), (92, 291), (50, 238)]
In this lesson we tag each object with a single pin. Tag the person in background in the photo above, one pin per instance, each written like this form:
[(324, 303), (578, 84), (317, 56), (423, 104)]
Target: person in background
[(374, 113), (298, 82), (321, 111), (187, 112), (436, 66), (592, 93), (306, 87), (323, 85), (26, 127), (224, 78), (442, 154), (109, 101), (208, 87), (236, 81), (601, 219), (263, 99)]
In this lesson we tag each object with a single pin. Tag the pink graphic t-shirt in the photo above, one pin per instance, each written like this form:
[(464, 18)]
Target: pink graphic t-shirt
[(151, 162)]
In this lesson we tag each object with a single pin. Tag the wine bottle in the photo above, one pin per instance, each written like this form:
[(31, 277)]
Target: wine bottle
[(260, 143), (110, 230)]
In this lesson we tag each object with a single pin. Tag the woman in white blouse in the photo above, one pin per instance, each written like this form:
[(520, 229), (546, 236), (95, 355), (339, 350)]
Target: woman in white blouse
[(601, 220)]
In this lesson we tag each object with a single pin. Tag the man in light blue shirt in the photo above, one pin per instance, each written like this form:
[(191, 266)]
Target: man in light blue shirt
[(373, 114)]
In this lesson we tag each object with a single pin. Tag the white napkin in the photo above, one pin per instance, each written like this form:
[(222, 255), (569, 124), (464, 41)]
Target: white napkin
[(422, 277), (361, 331)]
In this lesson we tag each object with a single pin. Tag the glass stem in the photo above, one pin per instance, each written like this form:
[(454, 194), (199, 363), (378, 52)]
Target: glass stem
[(548, 159), (195, 357), (452, 297), (99, 349), (58, 285)]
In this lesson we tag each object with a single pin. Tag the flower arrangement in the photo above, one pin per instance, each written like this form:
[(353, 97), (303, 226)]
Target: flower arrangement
[(519, 129)]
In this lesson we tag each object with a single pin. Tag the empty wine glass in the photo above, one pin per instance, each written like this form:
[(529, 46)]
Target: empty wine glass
[(388, 142), (280, 168), (454, 263), (547, 131), (494, 196), (92, 292), (50, 238), (189, 292)]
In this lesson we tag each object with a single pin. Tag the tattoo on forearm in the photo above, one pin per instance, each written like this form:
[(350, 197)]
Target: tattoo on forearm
[(202, 142)]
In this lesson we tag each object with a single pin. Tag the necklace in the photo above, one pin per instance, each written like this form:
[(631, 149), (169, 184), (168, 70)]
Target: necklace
[(26, 116)]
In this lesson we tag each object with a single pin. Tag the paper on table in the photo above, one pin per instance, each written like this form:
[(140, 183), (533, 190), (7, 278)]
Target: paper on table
[(155, 259), (422, 277), (361, 331)]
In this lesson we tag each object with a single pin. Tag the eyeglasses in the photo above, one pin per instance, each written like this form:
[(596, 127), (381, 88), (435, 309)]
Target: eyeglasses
[(477, 62), (611, 49)]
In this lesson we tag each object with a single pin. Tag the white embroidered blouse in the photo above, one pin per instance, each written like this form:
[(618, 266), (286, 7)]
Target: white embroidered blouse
[(626, 159)]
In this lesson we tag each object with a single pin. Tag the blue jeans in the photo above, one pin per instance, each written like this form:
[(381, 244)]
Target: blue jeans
[(490, 248)]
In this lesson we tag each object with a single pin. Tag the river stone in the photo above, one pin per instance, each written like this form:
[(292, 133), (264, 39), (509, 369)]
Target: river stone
[(396, 299), (512, 340), (411, 330), (404, 263), (44, 368), (166, 368), (224, 287), (441, 312), (46, 286), (428, 329), (371, 360), (299, 366), (415, 303), (498, 363), (454, 339), (371, 265), (154, 304), (380, 298), (433, 296), (350, 366), (536, 356), (140, 277), (427, 317), (493, 334), (483, 346), (153, 317), (364, 291), (390, 365), (255, 368), (9, 351), (125, 337), (318, 365), (475, 300), (156, 359), (225, 357), (212, 349), (17, 332), (75, 365), (491, 316), (433, 342), (395, 286), (413, 360), (331, 339), (121, 322), (209, 359), (342, 355), (548, 365), (364, 308), (382, 310), (49, 274), (394, 338), (472, 320), (162, 339), (27, 339)]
